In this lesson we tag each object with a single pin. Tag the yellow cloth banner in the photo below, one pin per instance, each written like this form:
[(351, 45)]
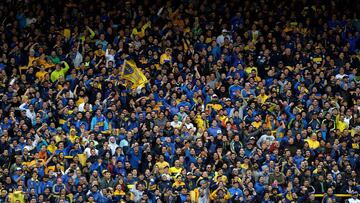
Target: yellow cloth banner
[(133, 74), (82, 159)]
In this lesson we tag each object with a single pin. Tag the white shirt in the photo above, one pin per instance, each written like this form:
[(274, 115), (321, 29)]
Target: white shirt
[(113, 147), (30, 21), (88, 153), (78, 59), (109, 57), (264, 138), (352, 200), (82, 107), (339, 76), (221, 39), (33, 144), (190, 126), (175, 124), (30, 114), (347, 120)]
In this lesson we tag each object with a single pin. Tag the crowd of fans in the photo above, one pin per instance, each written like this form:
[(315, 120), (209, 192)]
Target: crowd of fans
[(247, 101)]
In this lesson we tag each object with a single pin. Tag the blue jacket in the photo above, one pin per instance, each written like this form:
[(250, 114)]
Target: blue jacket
[(96, 167), (101, 121), (34, 184), (259, 188), (134, 158)]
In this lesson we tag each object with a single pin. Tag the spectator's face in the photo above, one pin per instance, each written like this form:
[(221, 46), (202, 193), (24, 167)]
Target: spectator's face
[(330, 191)]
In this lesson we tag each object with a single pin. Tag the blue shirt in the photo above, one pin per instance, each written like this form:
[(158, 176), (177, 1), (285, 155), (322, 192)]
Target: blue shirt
[(233, 89), (213, 131), (233, 191)]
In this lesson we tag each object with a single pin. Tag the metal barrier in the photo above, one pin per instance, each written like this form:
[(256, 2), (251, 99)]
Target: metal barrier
[(341, 197), (336, 195)]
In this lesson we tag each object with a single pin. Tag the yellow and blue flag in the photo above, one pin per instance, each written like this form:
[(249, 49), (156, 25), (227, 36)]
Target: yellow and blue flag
[(133, 74)]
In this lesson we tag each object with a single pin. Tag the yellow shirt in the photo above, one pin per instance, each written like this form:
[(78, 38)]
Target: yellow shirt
[(213, 195), (263, 98), (208, 40), (51, 148), (140, 33), (73, 138), (256, 124), (249, 69), (244, 166), (79, 101), (17, 196), (162, 165), (257, 79), (217, 107), (201, 123), (223, 120), (355, 145), (57, 73), (341, 125), (40, 75), (316, 171), (165, 58), (174, 171), (99, 53), (31, 59), (223, 178), (119, 193), (313, 144), (45, 63), (178, 184)]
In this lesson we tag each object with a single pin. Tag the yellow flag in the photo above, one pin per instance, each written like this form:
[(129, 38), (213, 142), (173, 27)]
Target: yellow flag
[(133, 74), (17, 196), (82, 159), (67, 33)]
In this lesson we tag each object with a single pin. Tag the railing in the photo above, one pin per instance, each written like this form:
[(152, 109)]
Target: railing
[(340, 197), (336, 195)]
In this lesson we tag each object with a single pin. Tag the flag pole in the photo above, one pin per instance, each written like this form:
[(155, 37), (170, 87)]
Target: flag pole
[(122, 68)]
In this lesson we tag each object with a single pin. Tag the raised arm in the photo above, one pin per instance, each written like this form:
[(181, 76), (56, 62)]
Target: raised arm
[(66, 68), (92, 33)]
